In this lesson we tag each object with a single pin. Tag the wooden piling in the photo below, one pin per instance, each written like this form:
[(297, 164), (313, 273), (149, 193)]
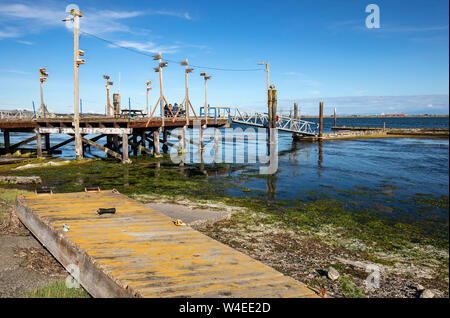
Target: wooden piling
[(39, 145), (335, 117), (321, 120), (156, 149), (7, 140), (125, 157), (165, 147), (295, 110), (47, 142)]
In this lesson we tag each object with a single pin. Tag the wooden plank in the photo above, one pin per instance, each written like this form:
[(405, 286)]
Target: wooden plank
[(139, 252), (85, 130), (100, 147)]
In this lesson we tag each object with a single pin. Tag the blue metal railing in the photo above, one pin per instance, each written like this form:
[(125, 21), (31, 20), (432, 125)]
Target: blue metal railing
[(216, 113)]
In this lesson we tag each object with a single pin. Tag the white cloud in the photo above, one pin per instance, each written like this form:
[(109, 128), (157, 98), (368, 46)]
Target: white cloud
[(21, 19), (25, 42), (182, 15), (148, 47), (9, 32)]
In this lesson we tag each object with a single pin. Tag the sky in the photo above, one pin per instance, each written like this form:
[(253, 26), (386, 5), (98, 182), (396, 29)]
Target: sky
[(318, 51)]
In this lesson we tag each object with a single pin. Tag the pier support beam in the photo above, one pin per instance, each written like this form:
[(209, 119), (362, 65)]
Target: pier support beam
[(38, 144), (6, 139), (165, 147), (272, 111), (321, 120), (106, 150), (47, 142), (156, 149), (335, 117), (125, 158)]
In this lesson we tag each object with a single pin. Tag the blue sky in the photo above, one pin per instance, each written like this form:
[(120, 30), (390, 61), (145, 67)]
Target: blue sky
[(318, 50)]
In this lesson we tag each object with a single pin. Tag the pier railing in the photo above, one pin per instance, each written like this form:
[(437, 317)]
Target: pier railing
[(283, 123), (216, 113)]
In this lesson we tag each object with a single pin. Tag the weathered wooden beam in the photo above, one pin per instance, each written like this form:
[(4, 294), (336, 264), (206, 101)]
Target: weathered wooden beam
[(61, 144), (321, 120), (125, 157), (85, 130), (47, 141), (38, 145), (156, 149), (6, 139), (24, 142), (104, 149)]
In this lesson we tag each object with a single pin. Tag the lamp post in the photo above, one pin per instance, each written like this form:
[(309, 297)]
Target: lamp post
[(148, 89), (158, 69), (108, 104), (206, 108), (267, 78), (186, 97), (76, 14), (42, 79)]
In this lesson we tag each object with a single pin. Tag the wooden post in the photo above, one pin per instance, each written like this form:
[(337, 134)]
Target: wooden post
[(295, 110), (76, 66), (116, 104), (6, 139), (165, 148), (125, 157), (181, 140), (47, 142), (320, 119), (200, 136), (335, 117), (274, 108), (269, 107), (156, 149), (38, 145)]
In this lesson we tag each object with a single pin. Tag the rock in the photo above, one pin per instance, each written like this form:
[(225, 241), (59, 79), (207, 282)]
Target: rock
[(427, 293), (332, 273), (418, 287)]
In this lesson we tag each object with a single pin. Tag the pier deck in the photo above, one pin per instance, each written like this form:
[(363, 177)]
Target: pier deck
[(139, 252)]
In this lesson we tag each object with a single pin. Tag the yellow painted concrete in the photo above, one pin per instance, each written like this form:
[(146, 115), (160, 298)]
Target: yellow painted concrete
[(143, 250)]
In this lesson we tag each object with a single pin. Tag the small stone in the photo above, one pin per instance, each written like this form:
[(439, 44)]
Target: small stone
[(427, 293), (419, 287), (332, 273)]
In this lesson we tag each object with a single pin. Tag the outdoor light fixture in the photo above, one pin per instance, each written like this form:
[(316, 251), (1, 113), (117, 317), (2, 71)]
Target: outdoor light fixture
[(106, 77), (189, 70), (202, 74), (184, 63), (157, 57), (156, 69), (80, 52), (163, 64)]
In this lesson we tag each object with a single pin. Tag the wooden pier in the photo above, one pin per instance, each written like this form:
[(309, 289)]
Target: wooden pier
[(139, 252), (135, 132)]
